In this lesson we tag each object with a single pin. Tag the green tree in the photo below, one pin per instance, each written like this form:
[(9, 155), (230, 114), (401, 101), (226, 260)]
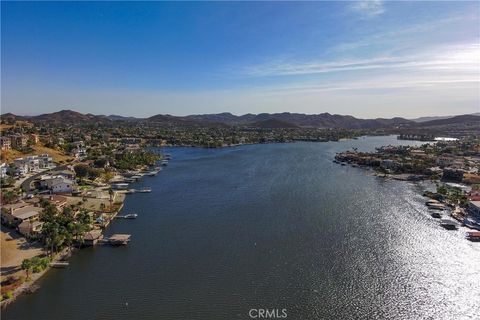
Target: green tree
[(81, 170), (27, 265), (107, 176), (9, 196), (111, 193)]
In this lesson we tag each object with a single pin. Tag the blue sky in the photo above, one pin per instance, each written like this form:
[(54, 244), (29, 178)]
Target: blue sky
[(365, 58)]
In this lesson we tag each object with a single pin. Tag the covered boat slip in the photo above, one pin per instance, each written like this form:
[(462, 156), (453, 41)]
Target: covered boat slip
[(118, 239)]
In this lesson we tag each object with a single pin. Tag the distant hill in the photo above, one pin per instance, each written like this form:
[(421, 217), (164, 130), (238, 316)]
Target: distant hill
[(272, 123), (425, 119), (63, 116), (68, 116), (262, 120), (466, 119), (115, 117), (323, 120), (10, 117)]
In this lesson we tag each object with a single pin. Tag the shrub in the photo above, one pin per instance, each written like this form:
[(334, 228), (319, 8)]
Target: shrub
[(37, 269), (8, 295)]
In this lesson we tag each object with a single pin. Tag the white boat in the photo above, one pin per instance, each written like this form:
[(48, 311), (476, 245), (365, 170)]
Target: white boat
[(59, 264), (130, 216), (436, 206), (145, 190), (152, 173)]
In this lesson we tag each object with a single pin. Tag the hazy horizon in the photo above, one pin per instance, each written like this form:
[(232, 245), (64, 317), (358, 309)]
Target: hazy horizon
[(368, 59)]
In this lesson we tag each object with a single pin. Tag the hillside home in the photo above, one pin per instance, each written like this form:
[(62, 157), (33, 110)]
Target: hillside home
[(5, 143)]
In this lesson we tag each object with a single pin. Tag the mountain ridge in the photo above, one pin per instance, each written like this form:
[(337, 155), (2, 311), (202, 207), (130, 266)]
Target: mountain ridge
[(261, 120)]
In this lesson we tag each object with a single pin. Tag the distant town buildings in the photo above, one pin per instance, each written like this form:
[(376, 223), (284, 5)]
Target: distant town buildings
[(19, 141), (5, 143)]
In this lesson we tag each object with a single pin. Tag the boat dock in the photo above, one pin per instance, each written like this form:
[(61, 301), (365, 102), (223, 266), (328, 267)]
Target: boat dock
[(117, 239), (142, 190), (59, 264), (128, 216)]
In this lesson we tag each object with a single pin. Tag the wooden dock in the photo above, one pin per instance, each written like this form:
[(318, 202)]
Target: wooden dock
[(117, 239)]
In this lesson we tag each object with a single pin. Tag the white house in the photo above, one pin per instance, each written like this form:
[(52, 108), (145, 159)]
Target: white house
[(58, 184), (46, 161), (21, 166), (33, 163), (3, 170)]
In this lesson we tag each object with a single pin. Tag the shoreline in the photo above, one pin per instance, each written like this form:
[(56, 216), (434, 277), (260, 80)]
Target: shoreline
[(260, 143), (30, 286)]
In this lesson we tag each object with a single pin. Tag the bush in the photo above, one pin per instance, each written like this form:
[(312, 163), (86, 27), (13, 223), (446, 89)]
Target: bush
[(21, 279), (37, 269), (8, 295)]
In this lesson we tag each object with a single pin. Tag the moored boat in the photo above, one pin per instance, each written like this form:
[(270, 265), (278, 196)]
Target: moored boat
[(131, 216), (436, 206), (436, 214), (470, 223), (59, 264), (473, 235)]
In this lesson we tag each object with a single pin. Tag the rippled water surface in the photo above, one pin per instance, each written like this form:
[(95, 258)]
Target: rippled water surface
[(269, 226)]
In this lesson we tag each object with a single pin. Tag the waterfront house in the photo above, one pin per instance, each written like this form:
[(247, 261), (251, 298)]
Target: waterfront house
[(15, 214), (30, 229), (91, 237)]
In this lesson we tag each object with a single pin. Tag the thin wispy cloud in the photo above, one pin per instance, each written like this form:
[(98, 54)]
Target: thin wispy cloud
[(368, 8), (455, 58), (404, 36)]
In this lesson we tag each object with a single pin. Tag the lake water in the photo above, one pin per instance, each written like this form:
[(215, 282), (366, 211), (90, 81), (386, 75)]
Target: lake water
[(275, 226)]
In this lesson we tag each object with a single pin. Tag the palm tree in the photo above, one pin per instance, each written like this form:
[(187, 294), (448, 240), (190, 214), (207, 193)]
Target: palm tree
[(111, 193), (27, 266)]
